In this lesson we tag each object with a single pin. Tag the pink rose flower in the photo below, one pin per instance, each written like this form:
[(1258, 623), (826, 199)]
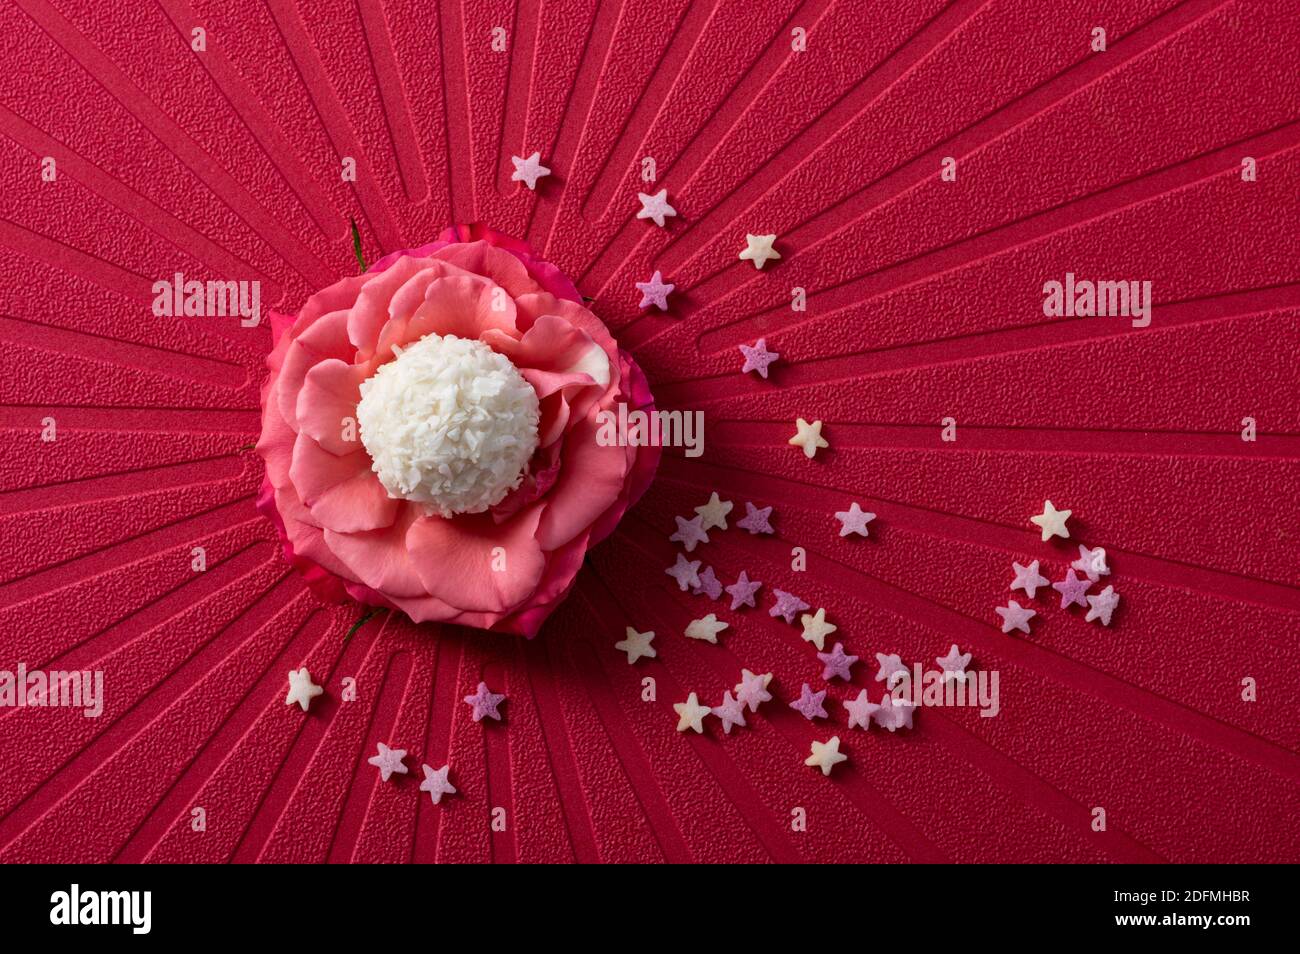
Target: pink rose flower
[(430, 434)]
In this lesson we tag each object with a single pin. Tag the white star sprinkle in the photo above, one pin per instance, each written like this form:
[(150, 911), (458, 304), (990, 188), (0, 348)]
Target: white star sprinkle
[(1015, 616), (816, 629), (655, 207), (854, 520), (715, 512), (636, 645), (1052, 521), (1102, 605), (1027, 578), (528, 171), (1091, 563), (706, 629), (389, 761), (759, 250), (809, 437), (301, 689), (826, 755), (691, 714), (436, 784)]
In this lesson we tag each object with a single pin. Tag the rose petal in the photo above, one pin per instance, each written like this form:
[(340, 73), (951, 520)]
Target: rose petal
[(368, 316), (590, 481), (324, 338), (379, 558), (480, 258), (463, 306), (342, 493), (455, 559), (328, 399)]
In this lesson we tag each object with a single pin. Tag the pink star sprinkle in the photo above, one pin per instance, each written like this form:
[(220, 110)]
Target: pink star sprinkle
[(894, 715), (837, 663), (860, 710), (954, 665), (756, 520), (731, 712), (787, 605), (687, 574), (708, 584), (389, 761), (1102, 605), (742, 591), (485, 703), (752, 689), (1014, 616), (809, 704), (854, 520), (654, 292), (689, 533), (757, 358), (889, 665), (1091, 563), (1072, 589), (1027, 578)]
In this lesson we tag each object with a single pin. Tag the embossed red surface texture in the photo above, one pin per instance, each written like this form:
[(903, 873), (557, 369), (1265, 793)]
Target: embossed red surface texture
[(924, 301)]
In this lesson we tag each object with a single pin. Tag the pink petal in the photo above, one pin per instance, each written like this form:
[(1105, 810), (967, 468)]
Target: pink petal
[(367, 317), (454, 558), (379, 558), (591, 481), (325, 338), (463, 306), (328, 398), (342, 493), (497, 264)]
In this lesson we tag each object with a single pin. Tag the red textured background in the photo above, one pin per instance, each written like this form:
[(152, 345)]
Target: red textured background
[(924, 300)]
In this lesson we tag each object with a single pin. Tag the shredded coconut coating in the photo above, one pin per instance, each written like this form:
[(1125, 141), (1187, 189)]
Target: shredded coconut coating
[(449, 423)]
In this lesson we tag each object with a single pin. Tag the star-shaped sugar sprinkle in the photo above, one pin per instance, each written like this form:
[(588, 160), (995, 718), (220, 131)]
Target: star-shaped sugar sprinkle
[(389, 761), (759, 250), (706, 629), (954, 665), (1091, 563), (1027, 578), (890, 665), (731, 712), (743, 590), (860, 710), (837, 663), (714, 513), (786, 605), (757, 357), (528, 171), (637, 645), (301, 689), (436, 783), (689, 532), (484, 703), (809, 704), (686, 573), (655, 292), (894, 715), (808, 437), (756, 520), (826, 755), (655, 207), (1052, 521), (752, 689), (1072, 590), (816, 629), (708, 585), (690, 714), (854, 520), (1014, 616), (1102, 605)]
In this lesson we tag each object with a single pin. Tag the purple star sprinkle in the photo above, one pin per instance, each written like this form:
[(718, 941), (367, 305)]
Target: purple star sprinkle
[(654, 292), (752, 689), (686, 573), (708, 585), (731, 712), (837, 663), (757, 358), (860, 710), (894, 715), (787, 605), (485, 703), (1072, 590), (755, 520), (809, 704), (742, 591), (689, 533)]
